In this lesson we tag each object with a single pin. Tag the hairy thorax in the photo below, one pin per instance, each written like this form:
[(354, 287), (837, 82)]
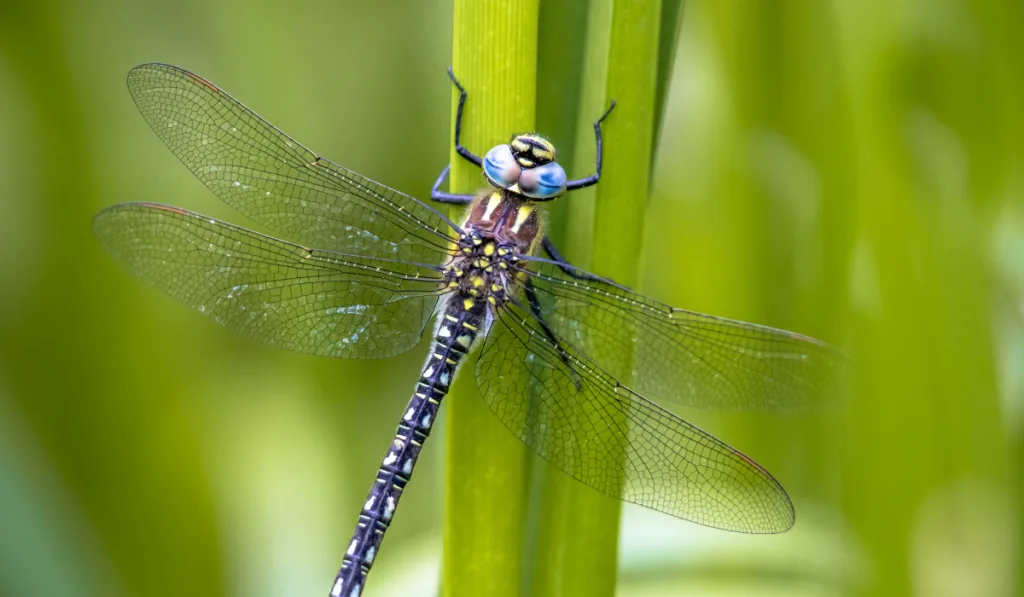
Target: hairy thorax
[(499, 227)]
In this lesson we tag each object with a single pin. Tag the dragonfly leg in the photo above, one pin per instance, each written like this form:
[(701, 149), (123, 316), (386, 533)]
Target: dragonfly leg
[(572, 185), (458, 122), (531, 297), (565, 266), (441, 196)]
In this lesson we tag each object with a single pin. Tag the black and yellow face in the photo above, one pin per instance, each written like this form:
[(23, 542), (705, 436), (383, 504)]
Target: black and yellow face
[(526, 166), (531, 150)]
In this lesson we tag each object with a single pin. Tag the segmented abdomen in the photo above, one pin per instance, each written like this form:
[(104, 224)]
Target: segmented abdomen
[(457, 330)]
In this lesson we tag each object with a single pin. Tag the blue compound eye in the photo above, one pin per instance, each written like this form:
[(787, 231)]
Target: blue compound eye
[(501, 167), (543, 182)]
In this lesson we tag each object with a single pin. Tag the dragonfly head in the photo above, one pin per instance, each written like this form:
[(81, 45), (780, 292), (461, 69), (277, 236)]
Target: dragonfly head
[(526, 165)]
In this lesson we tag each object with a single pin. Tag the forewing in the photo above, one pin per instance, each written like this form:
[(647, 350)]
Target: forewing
[(275, 180), (286, 295), (685, 357), (578, 418)]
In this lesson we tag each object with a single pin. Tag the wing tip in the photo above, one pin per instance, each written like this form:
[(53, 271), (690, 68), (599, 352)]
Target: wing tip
[(113, 210), (140, 70), (779, 512)]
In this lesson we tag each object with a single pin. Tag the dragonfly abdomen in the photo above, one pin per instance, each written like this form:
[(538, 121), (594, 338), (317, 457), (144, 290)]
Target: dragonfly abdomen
[(457, 330)]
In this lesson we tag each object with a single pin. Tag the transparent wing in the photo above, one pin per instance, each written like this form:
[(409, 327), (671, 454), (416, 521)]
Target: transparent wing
[(582, 421), (686, 357), (275, 180), (277, 292)]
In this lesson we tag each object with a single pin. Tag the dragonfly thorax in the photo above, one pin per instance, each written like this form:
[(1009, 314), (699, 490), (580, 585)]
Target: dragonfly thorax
[(483, 268), (508, 218)]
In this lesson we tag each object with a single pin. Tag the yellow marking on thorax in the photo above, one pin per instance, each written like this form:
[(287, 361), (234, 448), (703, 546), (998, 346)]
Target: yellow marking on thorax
[(489, 249), (492, 204), (524, 213)]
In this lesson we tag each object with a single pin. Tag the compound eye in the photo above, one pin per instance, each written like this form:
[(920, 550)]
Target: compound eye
[(543, 182), (501, 168)]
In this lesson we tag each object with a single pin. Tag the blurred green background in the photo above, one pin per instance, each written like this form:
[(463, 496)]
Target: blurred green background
[(853, 170)]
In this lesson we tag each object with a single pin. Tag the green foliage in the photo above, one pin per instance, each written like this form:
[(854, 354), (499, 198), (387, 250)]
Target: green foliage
[(578, 526), (495, 43)]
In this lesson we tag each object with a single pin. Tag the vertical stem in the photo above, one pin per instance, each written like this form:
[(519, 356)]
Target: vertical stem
[(579, 529), (631, 80), (495, 58)]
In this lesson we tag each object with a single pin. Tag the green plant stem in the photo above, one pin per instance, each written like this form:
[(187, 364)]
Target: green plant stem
[(578, 533), (494, 57)]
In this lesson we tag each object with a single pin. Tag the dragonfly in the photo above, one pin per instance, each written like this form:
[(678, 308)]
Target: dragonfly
[(364, 271)]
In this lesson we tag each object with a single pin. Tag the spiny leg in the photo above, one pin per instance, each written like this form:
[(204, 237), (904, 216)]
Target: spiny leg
[(435, 193), (441, 196), (458, 123), (531, 297), (565, 266), (572, 185)]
